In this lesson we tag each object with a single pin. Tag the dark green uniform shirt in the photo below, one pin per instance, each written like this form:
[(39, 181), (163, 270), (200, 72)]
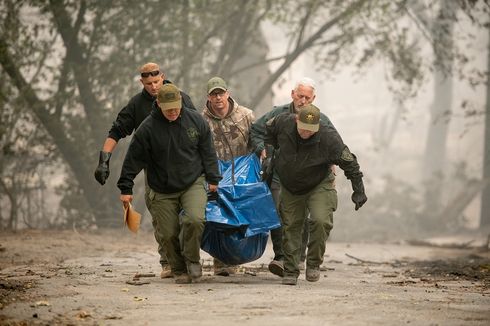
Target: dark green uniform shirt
[(258, 130), (302, 164)]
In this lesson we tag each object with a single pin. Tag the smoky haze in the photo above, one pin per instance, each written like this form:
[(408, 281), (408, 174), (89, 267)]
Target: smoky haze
[(67, 70), (390, 140)]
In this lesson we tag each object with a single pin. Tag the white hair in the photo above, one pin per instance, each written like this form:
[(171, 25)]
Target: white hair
[(305, 81)]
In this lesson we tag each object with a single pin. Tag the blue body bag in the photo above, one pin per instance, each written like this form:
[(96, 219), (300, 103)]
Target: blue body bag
[(239, 220)]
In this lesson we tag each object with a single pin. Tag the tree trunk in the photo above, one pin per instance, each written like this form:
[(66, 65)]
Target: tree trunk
[(485, 198), (255, 76), (435, 150), (97, 197)]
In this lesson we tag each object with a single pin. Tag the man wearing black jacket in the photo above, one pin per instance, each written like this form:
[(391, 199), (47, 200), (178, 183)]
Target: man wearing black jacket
[(131, 116), (308, 148), (302, 94), (128, 120), (175, 146)]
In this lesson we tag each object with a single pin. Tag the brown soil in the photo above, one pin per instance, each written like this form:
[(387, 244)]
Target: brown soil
[(81, 278)]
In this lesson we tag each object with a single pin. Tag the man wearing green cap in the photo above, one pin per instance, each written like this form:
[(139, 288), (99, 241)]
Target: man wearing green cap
[(128, 120), (308, 149), (302, 94), (131, 116), (175, 145), (230, 125)]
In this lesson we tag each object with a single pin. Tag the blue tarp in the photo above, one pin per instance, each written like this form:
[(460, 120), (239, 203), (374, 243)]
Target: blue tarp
[(238, 222)]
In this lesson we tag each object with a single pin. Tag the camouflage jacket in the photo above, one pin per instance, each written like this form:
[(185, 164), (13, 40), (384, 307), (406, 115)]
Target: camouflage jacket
[(231, 133)]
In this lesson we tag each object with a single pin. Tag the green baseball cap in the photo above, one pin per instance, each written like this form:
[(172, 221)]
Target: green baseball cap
[(309, 118), (169, 97), (216, 83)]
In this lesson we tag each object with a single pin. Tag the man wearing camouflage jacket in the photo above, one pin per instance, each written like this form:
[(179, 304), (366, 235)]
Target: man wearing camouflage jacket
[(230, 125)]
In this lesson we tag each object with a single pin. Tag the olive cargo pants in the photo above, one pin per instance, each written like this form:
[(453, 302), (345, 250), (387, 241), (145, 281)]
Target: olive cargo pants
[(276, 234), (180, 233), (321, 203), (161, 248)]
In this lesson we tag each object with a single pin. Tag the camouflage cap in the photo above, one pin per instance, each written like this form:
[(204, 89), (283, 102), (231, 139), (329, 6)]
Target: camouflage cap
[(309, 118), (169, 97), (216, 83)]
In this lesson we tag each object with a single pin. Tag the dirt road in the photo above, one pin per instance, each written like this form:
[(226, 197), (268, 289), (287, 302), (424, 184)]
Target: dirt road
[(67, 277)]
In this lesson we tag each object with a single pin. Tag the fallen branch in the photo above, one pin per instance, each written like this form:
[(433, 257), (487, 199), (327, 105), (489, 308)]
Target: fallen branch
[(138, 275), (365, 261)]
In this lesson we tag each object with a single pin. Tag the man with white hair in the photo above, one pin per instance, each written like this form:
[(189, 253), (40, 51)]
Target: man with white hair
[(307, 150), (302, 94)]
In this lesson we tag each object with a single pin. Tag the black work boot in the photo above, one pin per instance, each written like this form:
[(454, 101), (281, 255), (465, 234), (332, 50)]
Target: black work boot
[(276, 267)]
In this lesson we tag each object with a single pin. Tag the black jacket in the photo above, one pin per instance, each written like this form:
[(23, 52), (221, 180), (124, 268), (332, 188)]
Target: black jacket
[(137, 109), (174, 153), (258, 131), (302, 164)]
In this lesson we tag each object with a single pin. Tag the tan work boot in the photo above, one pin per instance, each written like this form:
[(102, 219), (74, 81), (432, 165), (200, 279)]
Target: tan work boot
[(166, 272), (301, 265), (224, 271), (312, 274), (289, 280), (182, 279)]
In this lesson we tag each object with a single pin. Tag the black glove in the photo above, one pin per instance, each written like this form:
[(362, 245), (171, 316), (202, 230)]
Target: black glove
[(212, 195), (358, 196), (266, 170), (102, 171)]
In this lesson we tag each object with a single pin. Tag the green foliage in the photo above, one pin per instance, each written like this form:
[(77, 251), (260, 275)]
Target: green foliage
[(73, 64)]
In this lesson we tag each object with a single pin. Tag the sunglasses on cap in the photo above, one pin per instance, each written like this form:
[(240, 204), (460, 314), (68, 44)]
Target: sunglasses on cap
[(150, 73)]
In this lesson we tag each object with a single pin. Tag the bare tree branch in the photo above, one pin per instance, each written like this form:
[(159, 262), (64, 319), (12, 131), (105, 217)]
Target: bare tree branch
[(303, 24), (197, 49), (75, 56), (258, 63), (291, 57)]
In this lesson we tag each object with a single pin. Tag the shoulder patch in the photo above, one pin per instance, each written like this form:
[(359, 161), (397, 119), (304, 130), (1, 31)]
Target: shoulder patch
[(347, 155), (193, 134)]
